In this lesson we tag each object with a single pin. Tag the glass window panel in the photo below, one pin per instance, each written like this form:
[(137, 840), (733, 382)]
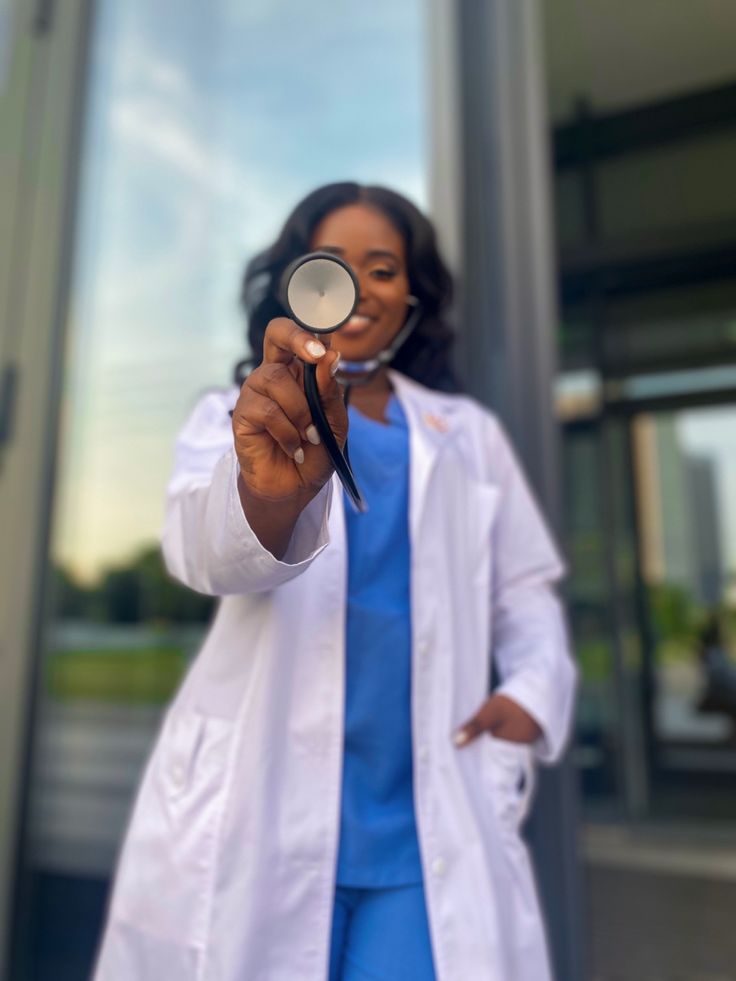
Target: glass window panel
[(569, 208), (689, 565), (588, 598)]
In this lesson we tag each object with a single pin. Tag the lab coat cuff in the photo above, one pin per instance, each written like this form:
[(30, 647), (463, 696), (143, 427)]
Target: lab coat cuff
[(311, 532), (531, 693), (309, 538)]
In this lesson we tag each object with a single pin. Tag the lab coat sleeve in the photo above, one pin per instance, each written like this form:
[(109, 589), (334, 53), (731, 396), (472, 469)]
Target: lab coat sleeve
[(207, 542), (531, 649)]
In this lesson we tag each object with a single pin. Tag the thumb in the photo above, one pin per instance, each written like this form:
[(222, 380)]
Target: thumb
[(486, 719)]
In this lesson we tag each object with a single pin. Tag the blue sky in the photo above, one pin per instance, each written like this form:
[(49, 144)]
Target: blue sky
[(205, 123)]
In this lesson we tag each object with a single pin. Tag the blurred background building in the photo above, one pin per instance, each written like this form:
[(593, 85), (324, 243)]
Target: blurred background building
[(578, 158)]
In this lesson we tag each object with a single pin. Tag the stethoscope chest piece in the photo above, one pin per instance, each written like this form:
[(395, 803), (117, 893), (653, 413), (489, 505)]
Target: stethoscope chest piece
[(320, 291)]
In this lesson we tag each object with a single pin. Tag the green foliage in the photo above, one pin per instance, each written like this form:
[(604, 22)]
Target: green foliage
[(594, 659), (140, 592), (676, 616)]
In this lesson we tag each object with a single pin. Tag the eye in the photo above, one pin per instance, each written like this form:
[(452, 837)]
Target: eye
[(383, 273)]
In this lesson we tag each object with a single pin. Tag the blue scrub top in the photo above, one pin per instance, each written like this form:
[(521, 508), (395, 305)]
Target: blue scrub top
[(378, 836)]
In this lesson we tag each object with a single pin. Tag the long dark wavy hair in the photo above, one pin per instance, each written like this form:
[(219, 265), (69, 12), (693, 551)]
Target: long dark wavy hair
[(425, 355)]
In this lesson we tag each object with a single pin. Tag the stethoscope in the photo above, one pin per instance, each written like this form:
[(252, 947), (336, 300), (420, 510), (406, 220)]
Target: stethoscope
[(321, 292)]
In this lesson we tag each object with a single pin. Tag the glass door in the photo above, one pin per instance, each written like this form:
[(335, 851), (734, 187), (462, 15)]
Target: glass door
[(602, 594), (685, 461)]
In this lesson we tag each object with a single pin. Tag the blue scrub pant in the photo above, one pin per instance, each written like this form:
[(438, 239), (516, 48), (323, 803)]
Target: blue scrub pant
[(380, 935)]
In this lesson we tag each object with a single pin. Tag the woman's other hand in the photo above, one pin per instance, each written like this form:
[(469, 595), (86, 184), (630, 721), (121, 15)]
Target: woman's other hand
[(282, 463), (501, 717)]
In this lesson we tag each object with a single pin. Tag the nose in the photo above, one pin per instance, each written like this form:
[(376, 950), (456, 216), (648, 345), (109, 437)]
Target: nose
[(363, 284)]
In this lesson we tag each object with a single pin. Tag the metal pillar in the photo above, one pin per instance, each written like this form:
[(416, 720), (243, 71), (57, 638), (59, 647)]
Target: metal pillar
[(491, 202)]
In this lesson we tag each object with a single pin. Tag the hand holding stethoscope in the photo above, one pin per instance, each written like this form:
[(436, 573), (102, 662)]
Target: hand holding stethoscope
[(290, 423), (279, 450)]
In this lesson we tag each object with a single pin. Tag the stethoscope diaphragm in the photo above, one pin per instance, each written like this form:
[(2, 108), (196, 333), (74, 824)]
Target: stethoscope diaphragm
[(321, 292)]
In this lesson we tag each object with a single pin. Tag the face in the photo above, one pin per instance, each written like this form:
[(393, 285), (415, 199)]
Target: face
[(366, 239)]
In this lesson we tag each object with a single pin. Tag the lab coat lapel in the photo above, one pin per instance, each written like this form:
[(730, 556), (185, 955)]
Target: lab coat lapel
[(428, 433)]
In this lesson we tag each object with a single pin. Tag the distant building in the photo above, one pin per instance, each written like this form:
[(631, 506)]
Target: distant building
[(678, 511)]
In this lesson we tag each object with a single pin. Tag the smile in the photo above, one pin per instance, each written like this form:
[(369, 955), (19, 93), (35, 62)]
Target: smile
[(357, 324)]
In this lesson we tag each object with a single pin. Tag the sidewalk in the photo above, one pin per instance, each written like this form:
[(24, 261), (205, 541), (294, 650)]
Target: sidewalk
[(661, 904)]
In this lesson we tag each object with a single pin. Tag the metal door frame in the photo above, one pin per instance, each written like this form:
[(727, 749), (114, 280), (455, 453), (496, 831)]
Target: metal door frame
[(40, 118)]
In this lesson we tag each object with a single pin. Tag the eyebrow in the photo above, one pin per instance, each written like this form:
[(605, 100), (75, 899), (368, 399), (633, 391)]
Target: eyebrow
[(370, 254)]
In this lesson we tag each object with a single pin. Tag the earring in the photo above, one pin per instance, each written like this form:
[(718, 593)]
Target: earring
[(412, 300)]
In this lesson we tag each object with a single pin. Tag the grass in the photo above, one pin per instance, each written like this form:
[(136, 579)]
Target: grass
[(127, 677)]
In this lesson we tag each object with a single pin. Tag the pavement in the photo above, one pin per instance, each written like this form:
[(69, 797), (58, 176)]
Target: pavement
[(661, 904)]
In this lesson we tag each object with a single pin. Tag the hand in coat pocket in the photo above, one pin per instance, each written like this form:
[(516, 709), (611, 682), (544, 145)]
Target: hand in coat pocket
[(501, 717)]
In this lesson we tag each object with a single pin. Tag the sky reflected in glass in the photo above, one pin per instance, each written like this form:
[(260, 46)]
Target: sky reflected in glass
[(205, 124)]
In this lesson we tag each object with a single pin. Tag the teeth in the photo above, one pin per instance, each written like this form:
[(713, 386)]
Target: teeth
[(359, 320)]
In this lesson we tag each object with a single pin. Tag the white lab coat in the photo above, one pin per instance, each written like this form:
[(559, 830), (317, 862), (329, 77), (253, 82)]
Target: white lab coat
[(227, 870)]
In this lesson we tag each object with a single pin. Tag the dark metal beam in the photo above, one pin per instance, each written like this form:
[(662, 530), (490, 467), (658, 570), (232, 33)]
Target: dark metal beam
[(597, 137), (649, 262)]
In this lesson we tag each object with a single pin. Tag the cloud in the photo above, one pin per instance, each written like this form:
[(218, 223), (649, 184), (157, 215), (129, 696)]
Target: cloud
[(205, 127)]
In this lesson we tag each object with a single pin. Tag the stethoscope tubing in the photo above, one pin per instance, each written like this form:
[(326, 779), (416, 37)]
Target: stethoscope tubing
[(339, 458)]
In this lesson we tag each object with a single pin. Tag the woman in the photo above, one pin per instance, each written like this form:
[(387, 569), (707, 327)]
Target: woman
[(333, 793)]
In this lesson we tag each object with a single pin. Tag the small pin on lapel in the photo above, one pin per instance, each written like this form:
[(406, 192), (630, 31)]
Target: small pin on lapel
[(435, 422)]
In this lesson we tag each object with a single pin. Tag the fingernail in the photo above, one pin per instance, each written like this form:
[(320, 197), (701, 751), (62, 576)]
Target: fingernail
[(312, 435), (335, 366), (316, 349), (299, 456), (460, 737)]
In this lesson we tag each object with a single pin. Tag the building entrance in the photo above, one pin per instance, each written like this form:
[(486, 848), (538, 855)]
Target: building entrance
[(652, 539), (685, 485)]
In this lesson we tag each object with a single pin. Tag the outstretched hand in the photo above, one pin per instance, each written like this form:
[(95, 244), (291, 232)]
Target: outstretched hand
[(276, 443)]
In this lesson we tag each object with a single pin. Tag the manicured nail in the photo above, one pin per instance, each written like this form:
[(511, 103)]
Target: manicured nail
[(460, 737), (335, 366), (299, 456), (312, 435), (316, 349)]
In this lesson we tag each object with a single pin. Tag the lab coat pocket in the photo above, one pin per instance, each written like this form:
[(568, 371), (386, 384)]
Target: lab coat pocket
[(509, 775), (166, 871)]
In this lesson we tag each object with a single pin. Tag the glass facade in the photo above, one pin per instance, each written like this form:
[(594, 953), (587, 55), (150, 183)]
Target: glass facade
[(645, 233), (643, 140)]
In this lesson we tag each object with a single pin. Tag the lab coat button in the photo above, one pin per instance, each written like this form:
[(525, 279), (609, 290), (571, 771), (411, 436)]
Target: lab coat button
[(439, 866), (423, 754), (177, 776)]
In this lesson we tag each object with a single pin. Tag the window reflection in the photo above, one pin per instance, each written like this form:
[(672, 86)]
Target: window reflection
[(689, 567), (203, 124)]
